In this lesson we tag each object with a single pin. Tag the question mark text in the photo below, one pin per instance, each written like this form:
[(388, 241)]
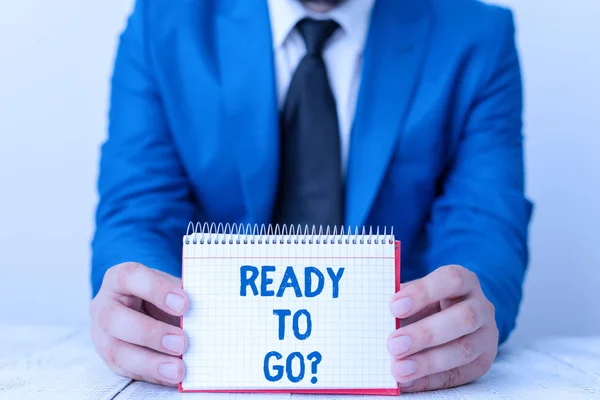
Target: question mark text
[(293, 367)]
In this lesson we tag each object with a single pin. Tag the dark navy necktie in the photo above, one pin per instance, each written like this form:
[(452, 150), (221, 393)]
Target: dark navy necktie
[(311, 185)]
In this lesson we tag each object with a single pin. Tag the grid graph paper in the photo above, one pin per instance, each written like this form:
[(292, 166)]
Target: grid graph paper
[(231, 335)]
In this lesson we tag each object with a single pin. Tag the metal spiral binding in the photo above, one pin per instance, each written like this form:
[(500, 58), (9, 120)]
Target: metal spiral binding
[(269, 234)]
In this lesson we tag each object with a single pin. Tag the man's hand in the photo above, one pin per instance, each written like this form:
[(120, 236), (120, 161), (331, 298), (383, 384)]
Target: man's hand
[(448, 335), (133, 324)]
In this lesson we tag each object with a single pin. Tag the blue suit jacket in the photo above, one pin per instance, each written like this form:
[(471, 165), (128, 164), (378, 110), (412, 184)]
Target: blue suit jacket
[(436, 145)]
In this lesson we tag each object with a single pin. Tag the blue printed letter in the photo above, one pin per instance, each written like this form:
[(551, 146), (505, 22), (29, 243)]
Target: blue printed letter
[(335, 280), (289, 280), (296, 324), (277, 368), (308, 281), (266, 281), (282, 314), (288, 367), (248, 281)]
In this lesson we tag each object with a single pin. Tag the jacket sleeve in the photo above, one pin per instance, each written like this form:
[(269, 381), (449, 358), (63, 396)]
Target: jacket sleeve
[(480, 220), (144, 196)]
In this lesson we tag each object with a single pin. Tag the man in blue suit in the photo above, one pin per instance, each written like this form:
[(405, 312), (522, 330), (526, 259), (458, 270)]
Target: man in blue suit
[(396, 113)]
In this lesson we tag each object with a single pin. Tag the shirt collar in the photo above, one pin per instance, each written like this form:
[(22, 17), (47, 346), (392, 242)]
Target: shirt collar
[(353, 16)]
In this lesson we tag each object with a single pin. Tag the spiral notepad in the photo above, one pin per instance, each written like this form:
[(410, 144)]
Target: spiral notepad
[(289, 310)]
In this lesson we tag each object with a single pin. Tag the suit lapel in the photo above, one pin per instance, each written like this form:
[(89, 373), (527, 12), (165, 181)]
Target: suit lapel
[(393, 55), (246, 75)]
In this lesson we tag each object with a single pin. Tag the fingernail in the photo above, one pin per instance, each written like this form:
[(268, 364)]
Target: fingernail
[(407, 384), (406, 368), (175, 302), (400, 345), (173, 343), (168, 371), (401, 306)]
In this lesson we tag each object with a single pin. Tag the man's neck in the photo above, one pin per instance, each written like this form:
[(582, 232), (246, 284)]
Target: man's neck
[(321, 6)]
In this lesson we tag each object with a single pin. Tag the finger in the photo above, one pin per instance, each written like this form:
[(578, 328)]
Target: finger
[(158, 314), (424, 313), (454, 354), (173, 279), (459, 320), (140, 363), (133, 327), (137, 280), (151, 366), (445, 282), (453, 377), (449, 302), (107, 347)]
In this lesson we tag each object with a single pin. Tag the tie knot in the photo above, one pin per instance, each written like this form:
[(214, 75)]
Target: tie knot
[(316, 33)]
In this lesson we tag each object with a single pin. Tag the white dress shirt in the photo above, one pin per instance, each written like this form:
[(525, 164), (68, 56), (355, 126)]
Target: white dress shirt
[(342, 53)]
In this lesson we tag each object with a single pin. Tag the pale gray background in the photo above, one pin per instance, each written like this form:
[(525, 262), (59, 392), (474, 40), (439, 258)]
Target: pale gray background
[(55, 64)]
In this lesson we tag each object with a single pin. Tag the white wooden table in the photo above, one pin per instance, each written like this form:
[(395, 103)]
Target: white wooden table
[(54, 362)]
